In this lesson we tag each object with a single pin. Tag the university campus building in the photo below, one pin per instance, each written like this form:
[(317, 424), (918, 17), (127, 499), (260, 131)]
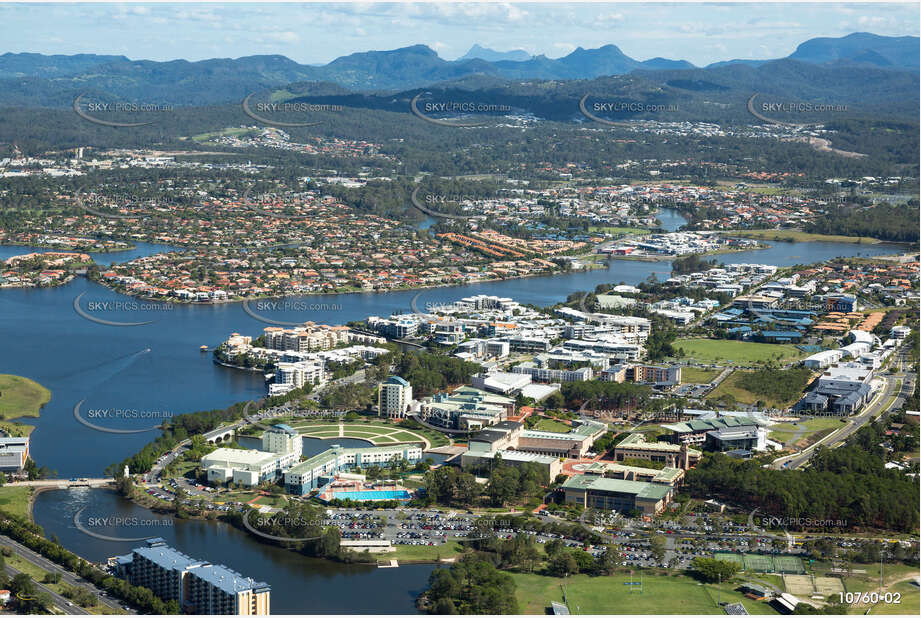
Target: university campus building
[(598, 492)]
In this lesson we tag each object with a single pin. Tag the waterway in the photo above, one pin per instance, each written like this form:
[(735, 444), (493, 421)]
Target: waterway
[(299, 584), (157, 368), (130, 377)]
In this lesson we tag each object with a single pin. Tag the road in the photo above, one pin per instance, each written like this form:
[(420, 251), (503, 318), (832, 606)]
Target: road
[(66, 577)]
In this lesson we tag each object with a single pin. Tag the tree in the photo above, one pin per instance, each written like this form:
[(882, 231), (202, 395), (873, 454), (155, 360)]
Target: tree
[(563, 564), (714, 570), (657, 546)]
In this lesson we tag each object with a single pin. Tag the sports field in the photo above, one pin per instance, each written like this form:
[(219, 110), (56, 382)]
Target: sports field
[(661, 594), (740, 352), (763, 563), (379, 434)]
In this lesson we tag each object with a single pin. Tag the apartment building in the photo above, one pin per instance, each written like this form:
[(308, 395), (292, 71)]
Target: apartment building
[(657, 375), (394, 396), (307, 338), (198, 587)]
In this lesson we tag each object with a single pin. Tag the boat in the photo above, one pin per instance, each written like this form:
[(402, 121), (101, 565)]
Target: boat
[(204, 348)]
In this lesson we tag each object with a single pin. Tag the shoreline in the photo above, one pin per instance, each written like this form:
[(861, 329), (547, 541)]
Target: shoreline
[(70, 249)]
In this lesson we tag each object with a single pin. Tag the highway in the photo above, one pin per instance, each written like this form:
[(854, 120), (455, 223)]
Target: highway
[(66, 577)]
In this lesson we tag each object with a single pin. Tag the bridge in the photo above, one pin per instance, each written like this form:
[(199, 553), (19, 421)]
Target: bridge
[(63, 483), (221, 434)]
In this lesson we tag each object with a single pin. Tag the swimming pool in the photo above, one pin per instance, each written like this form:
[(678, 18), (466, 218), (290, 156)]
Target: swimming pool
[(367, 494)]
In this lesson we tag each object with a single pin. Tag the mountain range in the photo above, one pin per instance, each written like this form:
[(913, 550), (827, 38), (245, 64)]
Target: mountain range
[(54, 81)]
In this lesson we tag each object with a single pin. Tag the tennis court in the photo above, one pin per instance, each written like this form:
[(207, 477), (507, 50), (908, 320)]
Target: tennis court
[(788, 564), (727, 557), (763, 563)]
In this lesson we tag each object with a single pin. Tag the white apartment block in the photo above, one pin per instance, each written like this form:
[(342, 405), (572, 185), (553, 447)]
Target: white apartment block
[(394, 396)]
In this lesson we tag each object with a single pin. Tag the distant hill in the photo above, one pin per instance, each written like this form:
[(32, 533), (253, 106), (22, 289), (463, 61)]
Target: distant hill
[(862, 48), (54, 81), (491, 55)]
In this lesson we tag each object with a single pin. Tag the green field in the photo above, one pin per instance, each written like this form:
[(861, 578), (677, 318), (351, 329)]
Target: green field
[(662, 594), (21, 396), (423, 552), (549, 424), (782, 432), (379, 434), (740, 352), (232, 131), (15, 500), (618, 231), (731, 386), (798, 236), (696, 375)]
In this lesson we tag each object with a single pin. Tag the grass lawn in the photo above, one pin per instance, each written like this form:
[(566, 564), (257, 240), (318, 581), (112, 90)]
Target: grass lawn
[(696, 375), (662, 594), (423, 552), (16, 430), (731, 386), (549, 424), (798, 236), (742, 352), (15, 500), (21, 396), (782, 432)]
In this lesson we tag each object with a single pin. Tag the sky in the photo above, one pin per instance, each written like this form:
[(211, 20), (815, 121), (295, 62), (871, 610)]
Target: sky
[(315, 33)]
